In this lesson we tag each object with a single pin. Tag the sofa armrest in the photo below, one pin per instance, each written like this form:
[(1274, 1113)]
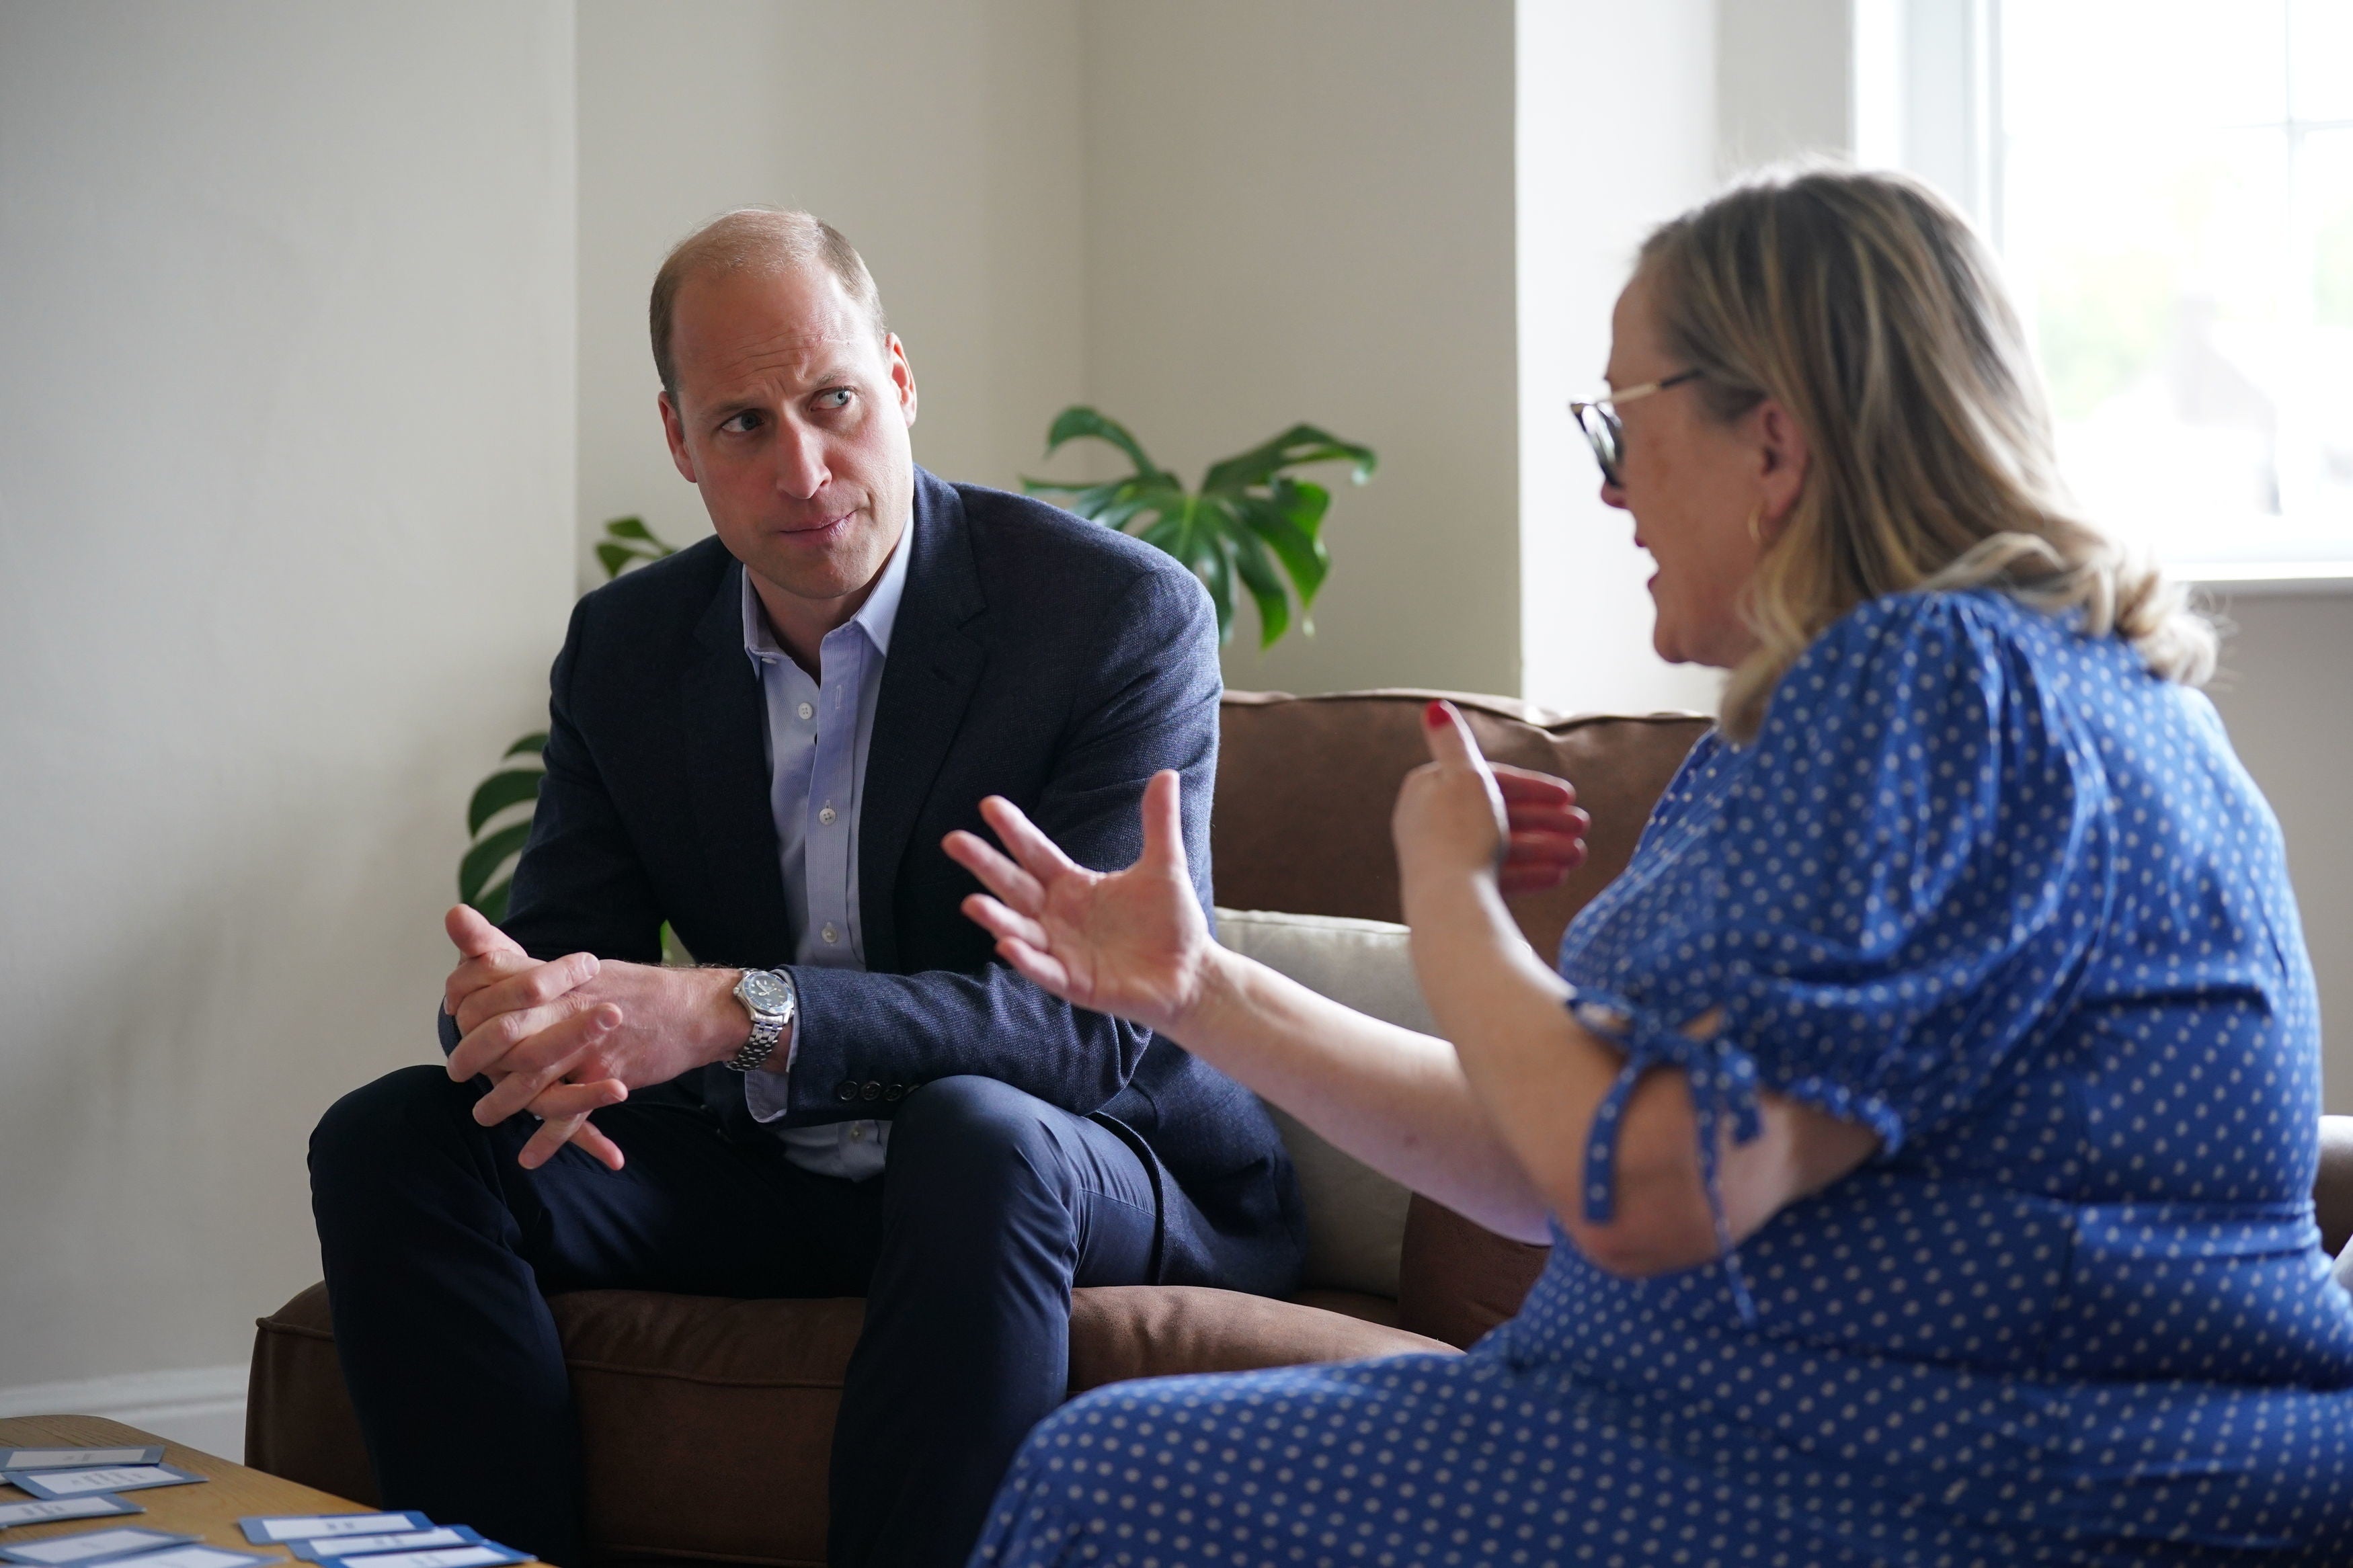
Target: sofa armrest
[(2332, 1191)]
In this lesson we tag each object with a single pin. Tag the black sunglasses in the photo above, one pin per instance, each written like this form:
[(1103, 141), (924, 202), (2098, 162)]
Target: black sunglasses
[(1599, 420)]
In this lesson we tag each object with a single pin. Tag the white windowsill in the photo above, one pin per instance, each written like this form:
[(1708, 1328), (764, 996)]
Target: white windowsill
[(2265, 576)]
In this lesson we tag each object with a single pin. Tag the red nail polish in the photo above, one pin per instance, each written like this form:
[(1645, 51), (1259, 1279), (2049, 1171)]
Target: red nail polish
[(1434, 715)]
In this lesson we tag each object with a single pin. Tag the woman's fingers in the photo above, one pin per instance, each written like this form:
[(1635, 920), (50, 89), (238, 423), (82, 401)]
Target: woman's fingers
[(1041, 968), (1521, 873), (1558, 846), (997, 874), (1529, 785), (1569, 824), (1451, 745), (999, 921), (1039, 855), (1164, 821)]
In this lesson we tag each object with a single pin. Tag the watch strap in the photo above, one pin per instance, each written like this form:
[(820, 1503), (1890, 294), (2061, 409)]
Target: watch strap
[(768, 1024)]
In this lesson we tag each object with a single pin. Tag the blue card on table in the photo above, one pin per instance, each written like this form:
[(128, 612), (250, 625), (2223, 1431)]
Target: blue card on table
[(78, 1458), (334, 1549), (97, 1505), (112, 1479), (271, 1530), (482, 1554), (91, 1546), (198, 1555)]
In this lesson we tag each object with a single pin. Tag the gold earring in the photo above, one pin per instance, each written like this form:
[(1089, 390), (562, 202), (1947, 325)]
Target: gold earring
[(1757, 516)]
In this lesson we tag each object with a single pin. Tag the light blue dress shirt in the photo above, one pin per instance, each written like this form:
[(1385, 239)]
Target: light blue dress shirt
[(818, 733)]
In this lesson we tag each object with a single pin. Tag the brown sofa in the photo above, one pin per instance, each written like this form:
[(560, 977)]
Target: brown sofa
[(706, 1423)]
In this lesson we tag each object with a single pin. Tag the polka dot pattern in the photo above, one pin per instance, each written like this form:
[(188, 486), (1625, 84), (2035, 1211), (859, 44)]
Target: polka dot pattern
[(1988, 887)]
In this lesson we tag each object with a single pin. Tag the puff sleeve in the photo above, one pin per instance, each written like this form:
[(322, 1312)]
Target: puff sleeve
[(1885, 895)]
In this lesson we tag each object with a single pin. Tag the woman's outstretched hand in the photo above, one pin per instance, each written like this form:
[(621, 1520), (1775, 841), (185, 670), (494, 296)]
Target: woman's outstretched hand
[(1459, 813), (1133, 943)]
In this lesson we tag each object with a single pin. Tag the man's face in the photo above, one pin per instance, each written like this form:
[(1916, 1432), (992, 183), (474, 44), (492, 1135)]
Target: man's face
[(791, 417)]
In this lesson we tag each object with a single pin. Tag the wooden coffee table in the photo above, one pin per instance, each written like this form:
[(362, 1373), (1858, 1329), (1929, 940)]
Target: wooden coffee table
[(210, 1512)]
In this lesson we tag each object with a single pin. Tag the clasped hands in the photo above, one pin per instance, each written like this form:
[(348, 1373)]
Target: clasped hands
[(573, 1034), (1136, 943)]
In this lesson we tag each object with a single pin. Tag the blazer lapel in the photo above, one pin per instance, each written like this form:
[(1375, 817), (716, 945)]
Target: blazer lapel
[(934, 667), (727, 772)]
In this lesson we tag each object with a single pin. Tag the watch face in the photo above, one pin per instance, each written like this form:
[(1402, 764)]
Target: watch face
[(763, 991)]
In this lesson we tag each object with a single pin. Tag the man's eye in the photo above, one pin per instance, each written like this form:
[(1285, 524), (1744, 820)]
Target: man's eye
[(834, 397)]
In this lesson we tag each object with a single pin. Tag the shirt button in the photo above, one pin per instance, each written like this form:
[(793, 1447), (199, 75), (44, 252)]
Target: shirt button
[(827, 816), (807, 711), (830, 934), (856, 1131)]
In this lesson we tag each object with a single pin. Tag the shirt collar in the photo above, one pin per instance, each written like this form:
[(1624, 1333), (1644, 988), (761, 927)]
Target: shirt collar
[(876, 617)]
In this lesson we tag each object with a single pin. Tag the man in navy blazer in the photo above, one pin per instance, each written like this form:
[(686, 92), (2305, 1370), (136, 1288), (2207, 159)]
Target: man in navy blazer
[(762, 740)]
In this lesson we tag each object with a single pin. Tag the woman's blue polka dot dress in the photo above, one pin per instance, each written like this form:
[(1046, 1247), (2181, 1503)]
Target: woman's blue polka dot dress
[(1990, 888)]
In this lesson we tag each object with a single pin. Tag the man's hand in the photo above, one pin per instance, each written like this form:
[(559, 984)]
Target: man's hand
[(573, 1034), (489, 957)]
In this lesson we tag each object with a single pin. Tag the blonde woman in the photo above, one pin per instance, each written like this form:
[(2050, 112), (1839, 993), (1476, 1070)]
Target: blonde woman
[(1924, 1121)]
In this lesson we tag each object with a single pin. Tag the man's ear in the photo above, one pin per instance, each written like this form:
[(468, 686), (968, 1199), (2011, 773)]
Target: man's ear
[(1783, 456), (903, 376), (674, 432)]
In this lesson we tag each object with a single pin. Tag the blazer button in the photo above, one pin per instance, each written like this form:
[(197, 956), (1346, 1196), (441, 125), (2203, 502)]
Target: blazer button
[(895, 1091), (870, 1091), (845, 1090)]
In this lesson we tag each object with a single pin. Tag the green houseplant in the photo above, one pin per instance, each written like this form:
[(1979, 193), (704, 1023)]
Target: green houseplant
[(1250, 519), (497, 823)]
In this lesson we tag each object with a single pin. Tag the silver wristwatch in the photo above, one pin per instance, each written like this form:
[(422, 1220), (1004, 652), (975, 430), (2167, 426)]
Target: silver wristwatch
[(768, 996)]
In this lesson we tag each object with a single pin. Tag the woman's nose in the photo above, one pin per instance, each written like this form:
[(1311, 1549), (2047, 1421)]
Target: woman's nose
[(1613, 494)]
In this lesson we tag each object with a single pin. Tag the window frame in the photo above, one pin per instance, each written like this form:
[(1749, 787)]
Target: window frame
[(1925, 96)]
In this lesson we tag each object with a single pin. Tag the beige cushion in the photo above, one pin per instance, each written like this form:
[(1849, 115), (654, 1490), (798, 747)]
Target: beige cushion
[(1355, 1216)]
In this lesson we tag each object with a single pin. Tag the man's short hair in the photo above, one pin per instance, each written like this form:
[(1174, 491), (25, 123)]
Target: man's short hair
[(767, 239)]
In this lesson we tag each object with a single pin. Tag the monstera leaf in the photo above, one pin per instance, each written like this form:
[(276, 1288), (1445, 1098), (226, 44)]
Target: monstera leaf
[(1250, 521), (492, 852), (497, 819)]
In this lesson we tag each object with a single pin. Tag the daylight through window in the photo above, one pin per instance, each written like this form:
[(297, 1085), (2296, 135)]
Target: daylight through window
[(2174, 198)]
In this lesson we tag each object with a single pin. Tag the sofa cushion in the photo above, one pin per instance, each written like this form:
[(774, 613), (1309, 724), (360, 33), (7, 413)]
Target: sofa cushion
[(1355, 1216), (707, 1423), (1459, 1278), (1120, 1332)]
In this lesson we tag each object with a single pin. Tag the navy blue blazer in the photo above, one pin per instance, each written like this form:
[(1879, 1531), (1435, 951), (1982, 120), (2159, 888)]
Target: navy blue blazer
[(1036, 655)]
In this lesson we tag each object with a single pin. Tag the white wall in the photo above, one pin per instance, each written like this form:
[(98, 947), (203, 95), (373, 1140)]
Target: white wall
[(2283, 693), (285, 541), (1301, 210), (942, 136), (1616, 133), (1782, 81)]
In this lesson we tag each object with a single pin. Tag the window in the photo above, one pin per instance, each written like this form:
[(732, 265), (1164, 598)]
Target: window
[(2170, 184)]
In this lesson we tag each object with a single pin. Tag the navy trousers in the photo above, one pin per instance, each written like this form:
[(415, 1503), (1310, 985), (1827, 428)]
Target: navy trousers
[(440, 1251)]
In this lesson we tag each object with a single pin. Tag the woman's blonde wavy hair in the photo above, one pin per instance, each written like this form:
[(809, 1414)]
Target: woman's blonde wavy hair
[(1868, 308)]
